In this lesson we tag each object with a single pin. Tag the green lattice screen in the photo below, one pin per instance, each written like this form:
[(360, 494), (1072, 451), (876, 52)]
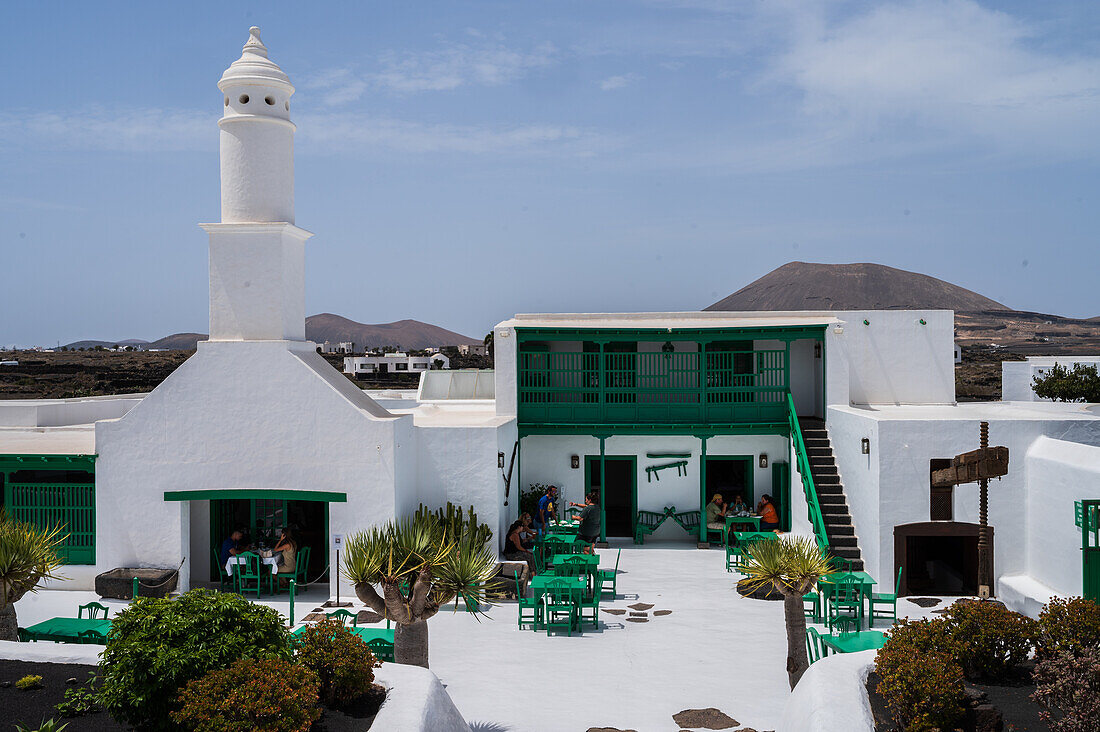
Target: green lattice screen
[(71, 505)]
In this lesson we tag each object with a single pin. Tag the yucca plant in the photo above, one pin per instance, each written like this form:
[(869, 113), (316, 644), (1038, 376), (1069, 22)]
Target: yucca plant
[(792, 566), (419, 564), (28, 555)]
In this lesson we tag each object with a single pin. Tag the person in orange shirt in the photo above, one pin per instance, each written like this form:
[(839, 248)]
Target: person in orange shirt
[(769, 519)]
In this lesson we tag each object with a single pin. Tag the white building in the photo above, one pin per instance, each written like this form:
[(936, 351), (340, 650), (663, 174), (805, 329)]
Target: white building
[(469, 349), (958, 353), (394, 363), (656, 411), (341, 347), (1017, 377)]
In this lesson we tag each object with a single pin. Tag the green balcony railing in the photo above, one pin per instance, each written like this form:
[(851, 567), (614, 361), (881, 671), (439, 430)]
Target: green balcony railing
[(802, 459), (712, 387)]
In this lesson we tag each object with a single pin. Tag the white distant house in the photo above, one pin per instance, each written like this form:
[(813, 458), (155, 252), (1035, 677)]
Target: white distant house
[(958, 353), (839, 416), (341, 347), (394, 363), (470, 349), (1017, 377)]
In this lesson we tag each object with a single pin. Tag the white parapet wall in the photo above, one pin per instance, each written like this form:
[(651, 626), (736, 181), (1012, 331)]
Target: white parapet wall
[(415, 702), (832, 697), (1017, 377)]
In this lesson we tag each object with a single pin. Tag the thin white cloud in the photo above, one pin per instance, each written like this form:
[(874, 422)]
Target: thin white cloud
[(160, 130), (620, 81), (950, 66)]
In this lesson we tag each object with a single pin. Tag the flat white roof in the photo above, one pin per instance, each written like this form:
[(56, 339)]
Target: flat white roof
[(989, 411), (79, 440), (691, 319)]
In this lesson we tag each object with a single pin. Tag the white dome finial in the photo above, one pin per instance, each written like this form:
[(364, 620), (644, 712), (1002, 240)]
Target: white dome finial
[(255, 45)]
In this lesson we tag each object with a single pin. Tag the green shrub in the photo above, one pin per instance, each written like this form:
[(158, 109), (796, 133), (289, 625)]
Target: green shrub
[(1069, 625), (29, 682), (989, 641), (342, 661), (1067, 685), (80, 700), (156, 646), (920, 680), (265, 696)]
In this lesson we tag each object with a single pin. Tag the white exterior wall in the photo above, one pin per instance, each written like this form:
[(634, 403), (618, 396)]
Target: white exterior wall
[(859, 474), (212, 425), (63, 412), (1059, 473), (1017, 376)]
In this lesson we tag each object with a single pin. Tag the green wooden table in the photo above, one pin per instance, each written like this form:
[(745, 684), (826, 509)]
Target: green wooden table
[(861, 582), (731, 520), (541, 582), (864, 640), (591, 561), (66, 630)]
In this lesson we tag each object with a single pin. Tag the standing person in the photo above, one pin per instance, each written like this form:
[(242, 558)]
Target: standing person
[(589, 517), (769, 519), (546, 509)]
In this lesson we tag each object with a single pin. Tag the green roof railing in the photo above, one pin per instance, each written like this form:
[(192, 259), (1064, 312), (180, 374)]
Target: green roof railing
[(802, 459)]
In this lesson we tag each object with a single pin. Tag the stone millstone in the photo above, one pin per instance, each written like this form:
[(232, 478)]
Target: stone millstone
[(614, 611), (924, 601), (637, 620), (662, 612), (761, 592), (609, 729), (640, 606), (709, 718), (642, 614), (331, 603), (314, 617)]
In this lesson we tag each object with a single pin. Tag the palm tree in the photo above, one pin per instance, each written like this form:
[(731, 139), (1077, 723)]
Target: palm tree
[(792, 566), (420, 564), (28, 555)]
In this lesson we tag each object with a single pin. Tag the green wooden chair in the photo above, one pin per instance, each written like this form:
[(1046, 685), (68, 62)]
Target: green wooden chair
[(646, 523), (246, 573), (813, 610), (843, 611), (815, 647), (225, 581), (344, 616), (733, 557), (885, 600), (559, 607), (301, 565), (381, 648), (94, 610), (571, 567), (528, 607), (93, 637), (608, 579), (24, 636)]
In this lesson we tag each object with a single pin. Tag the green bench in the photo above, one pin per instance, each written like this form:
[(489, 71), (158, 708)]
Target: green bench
[(648, 521)]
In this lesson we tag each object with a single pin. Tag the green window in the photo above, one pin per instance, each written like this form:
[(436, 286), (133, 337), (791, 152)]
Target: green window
[(63, 498)]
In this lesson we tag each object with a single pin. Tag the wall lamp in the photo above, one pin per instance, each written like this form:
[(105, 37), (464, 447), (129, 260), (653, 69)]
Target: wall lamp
[(574, 461), (865, 446), (763, 459), (838, 329)]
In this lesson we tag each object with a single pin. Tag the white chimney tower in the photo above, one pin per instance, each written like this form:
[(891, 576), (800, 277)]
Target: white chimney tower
[(257, 254)]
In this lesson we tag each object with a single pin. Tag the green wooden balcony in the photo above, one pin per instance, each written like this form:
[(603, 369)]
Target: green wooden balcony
[(699, 388)]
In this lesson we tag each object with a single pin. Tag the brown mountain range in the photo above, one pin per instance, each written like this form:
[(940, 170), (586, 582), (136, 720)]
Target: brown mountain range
[(410, 334), (979, 321)]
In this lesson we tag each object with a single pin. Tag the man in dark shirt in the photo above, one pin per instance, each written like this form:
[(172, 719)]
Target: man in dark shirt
[(231, 547), (589, 517)]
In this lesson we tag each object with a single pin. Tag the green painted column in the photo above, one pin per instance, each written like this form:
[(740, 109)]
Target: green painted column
[(703, 491), (603, 490)]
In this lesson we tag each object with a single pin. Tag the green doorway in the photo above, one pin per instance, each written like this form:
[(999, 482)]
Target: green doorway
[(261, 520), (618, 490)]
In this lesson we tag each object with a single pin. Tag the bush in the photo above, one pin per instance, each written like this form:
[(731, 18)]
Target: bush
[(29, 682), (80, 701), (988, 640), (920, 680), (265, 696), (342, 661), (1071, 625), (1068, 686), (156, 646)]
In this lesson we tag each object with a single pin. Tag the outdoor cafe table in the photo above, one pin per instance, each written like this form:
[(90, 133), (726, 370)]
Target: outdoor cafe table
[(67, 630), (563, 527), (731, 520), (590, 563), (540, 582), (745, 537), (367, 634), (859, 581), (864, 640), (272, 562)]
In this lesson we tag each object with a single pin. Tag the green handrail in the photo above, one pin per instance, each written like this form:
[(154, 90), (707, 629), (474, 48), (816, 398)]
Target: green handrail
[(803, 461)]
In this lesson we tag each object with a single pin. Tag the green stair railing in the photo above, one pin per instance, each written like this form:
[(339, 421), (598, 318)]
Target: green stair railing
[(802, 459)]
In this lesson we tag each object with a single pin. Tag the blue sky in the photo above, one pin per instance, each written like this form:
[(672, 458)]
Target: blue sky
[(460, 162)]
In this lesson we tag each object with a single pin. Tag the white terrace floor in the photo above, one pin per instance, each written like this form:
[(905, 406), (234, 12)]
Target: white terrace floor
[(715, 649)]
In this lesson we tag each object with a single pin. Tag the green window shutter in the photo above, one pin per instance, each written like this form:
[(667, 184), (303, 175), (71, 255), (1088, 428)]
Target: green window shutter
[(69, 505)]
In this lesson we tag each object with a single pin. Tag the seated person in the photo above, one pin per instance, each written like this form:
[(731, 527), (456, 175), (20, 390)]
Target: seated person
[(589, 518), (231, 547), (739, 506), (514, 545), (769, 518), (288, 546), (716, 513), (528, 531)]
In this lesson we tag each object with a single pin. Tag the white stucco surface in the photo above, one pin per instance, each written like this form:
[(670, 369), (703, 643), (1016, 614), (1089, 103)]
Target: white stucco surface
[(415, 702), (830, 696), (1017, 376)]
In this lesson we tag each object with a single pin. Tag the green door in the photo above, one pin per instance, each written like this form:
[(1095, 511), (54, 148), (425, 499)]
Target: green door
[(1088, 519)]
